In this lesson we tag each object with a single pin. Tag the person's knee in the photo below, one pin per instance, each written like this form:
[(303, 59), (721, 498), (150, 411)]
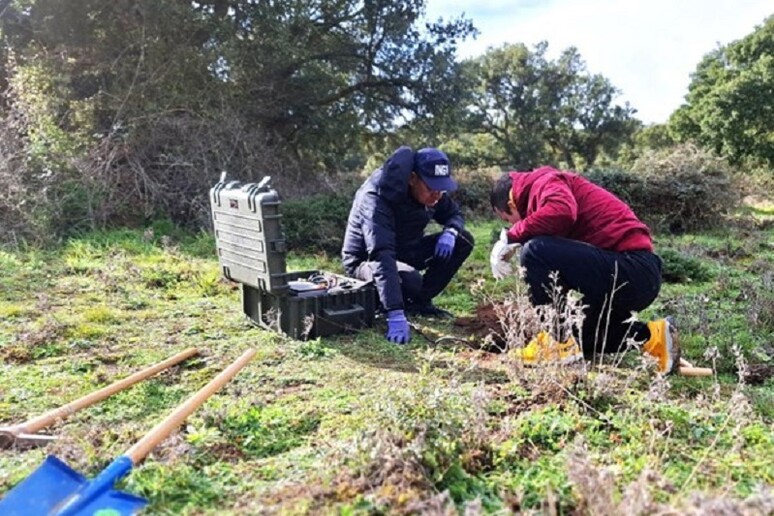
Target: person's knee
[(362, 271)]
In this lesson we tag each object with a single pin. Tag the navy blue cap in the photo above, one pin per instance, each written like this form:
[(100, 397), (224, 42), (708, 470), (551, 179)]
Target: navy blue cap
[(434, 169)]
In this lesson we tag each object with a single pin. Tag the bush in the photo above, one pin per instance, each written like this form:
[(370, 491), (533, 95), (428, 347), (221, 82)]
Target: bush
[(155, 167), (677, 189), (682, 269), (474, 188), (317, 223), (39, 187), (627, 186)]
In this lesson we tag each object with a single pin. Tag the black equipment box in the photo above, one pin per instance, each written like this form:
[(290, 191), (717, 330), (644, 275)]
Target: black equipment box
[(251, 251)]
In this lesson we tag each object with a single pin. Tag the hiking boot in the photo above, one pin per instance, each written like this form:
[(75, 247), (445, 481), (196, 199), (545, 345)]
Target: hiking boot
[(544, 350), (664, 345), (427, 310)]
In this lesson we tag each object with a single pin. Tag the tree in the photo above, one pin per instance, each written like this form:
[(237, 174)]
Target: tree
[(133, 108), (545, 111), (730, 102), (312, 74), (316, 73)]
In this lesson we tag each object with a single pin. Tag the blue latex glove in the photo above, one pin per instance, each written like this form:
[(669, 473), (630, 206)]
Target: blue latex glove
[(398, 327), (445, 244)]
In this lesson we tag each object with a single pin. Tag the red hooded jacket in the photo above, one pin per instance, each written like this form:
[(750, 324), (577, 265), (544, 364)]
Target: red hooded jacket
[(563, 204)]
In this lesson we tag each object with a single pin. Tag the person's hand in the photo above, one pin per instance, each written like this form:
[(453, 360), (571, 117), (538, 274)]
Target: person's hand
[(397, 327), (499, 258), (445, 244)]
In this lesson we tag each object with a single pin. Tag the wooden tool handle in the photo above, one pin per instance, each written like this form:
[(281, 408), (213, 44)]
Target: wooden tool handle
[(44, 420), (695, 371), (161, 431)]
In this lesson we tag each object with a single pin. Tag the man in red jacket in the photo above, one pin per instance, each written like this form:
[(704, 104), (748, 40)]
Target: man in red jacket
[(563, 223)]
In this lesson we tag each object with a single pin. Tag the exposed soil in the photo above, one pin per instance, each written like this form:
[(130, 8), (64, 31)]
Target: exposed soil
[(484, 323), (757, 374)]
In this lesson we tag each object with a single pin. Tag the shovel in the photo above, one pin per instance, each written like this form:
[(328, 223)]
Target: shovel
[(56, 489), (24, 434)]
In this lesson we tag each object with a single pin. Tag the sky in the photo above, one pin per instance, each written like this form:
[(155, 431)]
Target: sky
[(645, 48)]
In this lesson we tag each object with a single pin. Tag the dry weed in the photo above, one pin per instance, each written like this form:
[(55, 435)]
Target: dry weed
[(597, 493)]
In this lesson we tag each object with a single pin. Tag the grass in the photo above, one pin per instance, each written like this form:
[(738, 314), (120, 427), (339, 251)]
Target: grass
[(352, 424)]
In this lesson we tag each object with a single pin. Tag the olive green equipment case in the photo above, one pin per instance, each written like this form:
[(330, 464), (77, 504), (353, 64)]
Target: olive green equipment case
[(251, 251)]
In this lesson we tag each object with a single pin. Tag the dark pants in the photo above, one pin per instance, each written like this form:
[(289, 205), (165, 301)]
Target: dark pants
[(595, 273), (421, 288)]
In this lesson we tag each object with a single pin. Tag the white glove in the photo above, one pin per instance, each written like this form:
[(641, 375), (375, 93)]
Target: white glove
[(500, 257)]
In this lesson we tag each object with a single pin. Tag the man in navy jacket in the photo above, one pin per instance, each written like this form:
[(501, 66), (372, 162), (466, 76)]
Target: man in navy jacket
[(385, 241)]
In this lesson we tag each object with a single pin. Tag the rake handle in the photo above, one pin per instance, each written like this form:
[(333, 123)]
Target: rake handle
[(695, 371), (688, 369), (162, 430), (38, 423)]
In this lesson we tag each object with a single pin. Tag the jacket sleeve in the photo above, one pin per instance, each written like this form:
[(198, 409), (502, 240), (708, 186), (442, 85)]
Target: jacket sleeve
[(448, 214), (551, 211), (379, 235)]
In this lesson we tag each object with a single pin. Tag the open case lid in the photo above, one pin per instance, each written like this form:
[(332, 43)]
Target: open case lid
[(248, 234)]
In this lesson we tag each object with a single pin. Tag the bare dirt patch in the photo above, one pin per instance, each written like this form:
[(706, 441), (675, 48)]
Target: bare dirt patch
[(486, 322)]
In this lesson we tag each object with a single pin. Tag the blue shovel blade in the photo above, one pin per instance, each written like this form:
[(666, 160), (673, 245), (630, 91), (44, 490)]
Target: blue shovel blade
[(49, 487), (113, 503), (41, 492)]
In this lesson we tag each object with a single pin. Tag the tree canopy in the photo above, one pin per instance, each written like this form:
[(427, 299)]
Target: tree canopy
[(130, 108), (730, 103), (308, 72), (541, 110), (115, 112)]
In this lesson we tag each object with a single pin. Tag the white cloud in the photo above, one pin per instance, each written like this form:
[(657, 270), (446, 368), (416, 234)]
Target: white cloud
[(647, 48)]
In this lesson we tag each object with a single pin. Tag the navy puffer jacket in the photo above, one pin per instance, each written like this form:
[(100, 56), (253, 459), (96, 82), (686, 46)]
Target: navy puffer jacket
[(386, 222)]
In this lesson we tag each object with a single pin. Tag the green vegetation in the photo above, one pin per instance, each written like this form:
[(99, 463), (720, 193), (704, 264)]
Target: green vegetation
[(315, 224), (536, 111), (111, 117), (352, 424), (676, 189), (728, 101)]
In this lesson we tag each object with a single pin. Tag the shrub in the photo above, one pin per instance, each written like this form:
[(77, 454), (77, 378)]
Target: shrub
[(157, 166), (34, 186), (678, 189), (689, 187), (682, 269), (316, 224), (474, 188), (627, 186)]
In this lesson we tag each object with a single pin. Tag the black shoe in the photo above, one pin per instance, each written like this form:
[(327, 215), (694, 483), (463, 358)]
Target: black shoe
[(427, 310)]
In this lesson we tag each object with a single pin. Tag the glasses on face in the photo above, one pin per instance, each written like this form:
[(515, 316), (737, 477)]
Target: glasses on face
[(430, 191)]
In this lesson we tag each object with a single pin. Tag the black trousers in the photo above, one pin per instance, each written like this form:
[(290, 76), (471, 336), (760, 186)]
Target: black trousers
[(613, 285), (421, 288)]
